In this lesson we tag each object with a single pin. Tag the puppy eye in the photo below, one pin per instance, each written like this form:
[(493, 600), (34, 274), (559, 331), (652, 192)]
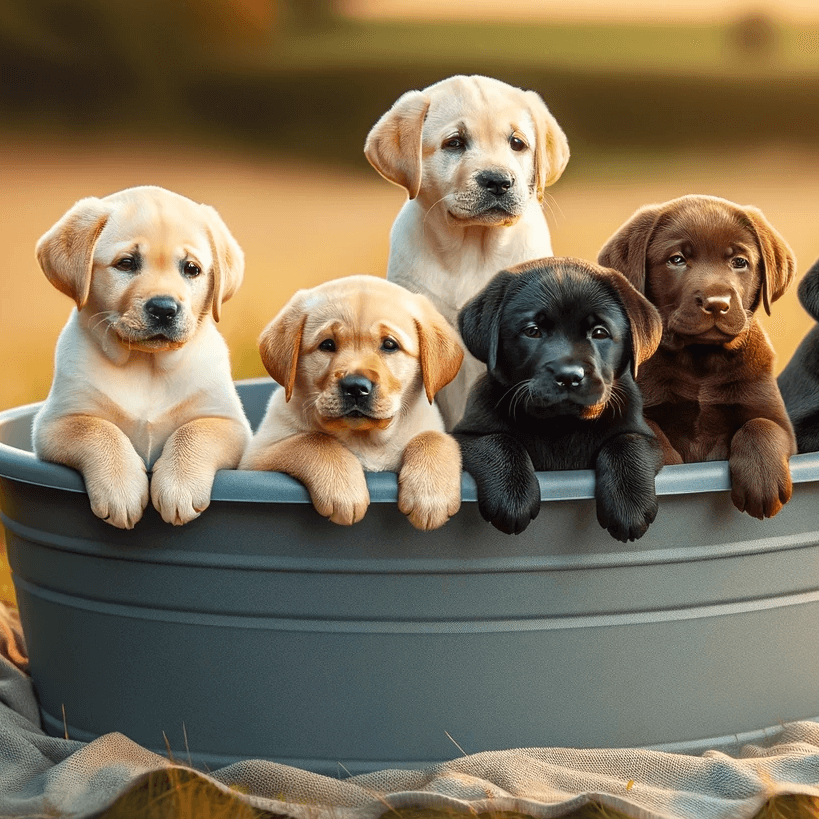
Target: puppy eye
[(126, 263), (532, 331), (599, 331), (191, 269), (328, 345), (517, 144), (455, 143), (739, 263), (676, 260), (390, 345)]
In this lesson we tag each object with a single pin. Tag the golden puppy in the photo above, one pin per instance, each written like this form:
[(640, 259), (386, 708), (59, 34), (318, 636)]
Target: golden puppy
[(141, 374), (360, 360), (475, 156)]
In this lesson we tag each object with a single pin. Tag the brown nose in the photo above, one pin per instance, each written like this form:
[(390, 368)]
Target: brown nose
[(715, 304)]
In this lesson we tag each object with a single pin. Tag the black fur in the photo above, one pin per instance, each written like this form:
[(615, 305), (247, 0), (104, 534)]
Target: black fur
[(799, 381), (509, 430)]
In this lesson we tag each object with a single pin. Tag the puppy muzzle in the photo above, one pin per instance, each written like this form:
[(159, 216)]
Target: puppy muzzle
[(709, 317)]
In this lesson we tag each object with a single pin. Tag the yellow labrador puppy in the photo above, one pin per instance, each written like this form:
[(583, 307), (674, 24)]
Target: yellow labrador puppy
[(475, 156), (360, 360), (141, 375)]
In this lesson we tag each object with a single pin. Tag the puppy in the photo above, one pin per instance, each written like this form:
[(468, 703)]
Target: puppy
[(561, 340), (707, 264), (141, 374), (360, 360), (475, 156), (799, 381)]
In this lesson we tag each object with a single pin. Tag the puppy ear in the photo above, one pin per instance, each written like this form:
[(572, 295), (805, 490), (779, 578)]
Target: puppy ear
[(479, 320), (777, 257), (228, 261), (439, 350), (627, 249), (393, 146), (808, 291), (280, 343), (66, 251), (552, 147), (644, 318)]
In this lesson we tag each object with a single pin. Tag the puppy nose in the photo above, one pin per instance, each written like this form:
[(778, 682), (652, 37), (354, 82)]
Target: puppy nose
[(495, 182), (162, 308), (355, 386), (570, 376), (716, 304)]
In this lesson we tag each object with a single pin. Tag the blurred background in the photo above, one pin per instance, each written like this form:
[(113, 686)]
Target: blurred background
[(261, 108)]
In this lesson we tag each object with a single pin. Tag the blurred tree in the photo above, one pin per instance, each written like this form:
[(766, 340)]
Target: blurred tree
[(310, 15), (755, 35)]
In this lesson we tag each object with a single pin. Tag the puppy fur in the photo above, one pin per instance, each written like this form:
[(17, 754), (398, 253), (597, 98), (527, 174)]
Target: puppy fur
[(360, 360), (475, 156), (141, 375), (799, 381), (561, 340), (708, 264)]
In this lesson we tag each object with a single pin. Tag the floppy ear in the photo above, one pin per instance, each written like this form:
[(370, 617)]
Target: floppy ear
[(552, 147), (66, 251), (644, 318), (280, 343), (626, 250), (393, 146), (439, 350), (228, 261), (777, 257), (479, 319), (808, 291)]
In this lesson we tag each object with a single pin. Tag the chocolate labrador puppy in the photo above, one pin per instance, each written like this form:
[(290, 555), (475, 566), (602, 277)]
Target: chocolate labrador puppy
[(799, 381), (562, 340), (709, 390)]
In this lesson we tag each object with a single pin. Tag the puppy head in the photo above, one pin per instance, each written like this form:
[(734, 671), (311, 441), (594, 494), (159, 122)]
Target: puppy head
[(559, 333), (474, 147), (357, 352), (705, 262), (144, 265)]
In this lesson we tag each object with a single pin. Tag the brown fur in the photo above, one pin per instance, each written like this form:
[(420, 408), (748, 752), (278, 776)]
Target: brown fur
[(709, 390)]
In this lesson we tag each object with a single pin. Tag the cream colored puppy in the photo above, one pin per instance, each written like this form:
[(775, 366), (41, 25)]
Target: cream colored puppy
[(141, 375), (360, 360), (475, 156)]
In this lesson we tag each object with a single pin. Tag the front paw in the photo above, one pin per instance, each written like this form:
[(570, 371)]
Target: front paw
[(764, 496), (511, 508), (627, 518), (429, 504), (119, 496), (343, 500), (179, 495)]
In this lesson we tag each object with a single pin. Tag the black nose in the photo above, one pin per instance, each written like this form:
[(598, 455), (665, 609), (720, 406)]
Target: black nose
[(570, 376), (355, 386), (162, 308), (495, 182)]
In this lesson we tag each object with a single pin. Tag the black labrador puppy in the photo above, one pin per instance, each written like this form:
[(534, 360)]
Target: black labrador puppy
[(799, 381), (561, 340)]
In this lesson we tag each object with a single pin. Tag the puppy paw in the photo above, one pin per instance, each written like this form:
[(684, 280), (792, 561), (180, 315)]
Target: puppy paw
[(512, 509), (765, 497), (178, 495), (760, 468), (428, 505), (343, 501), (119, 497), (629, 517), (429, 482)]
